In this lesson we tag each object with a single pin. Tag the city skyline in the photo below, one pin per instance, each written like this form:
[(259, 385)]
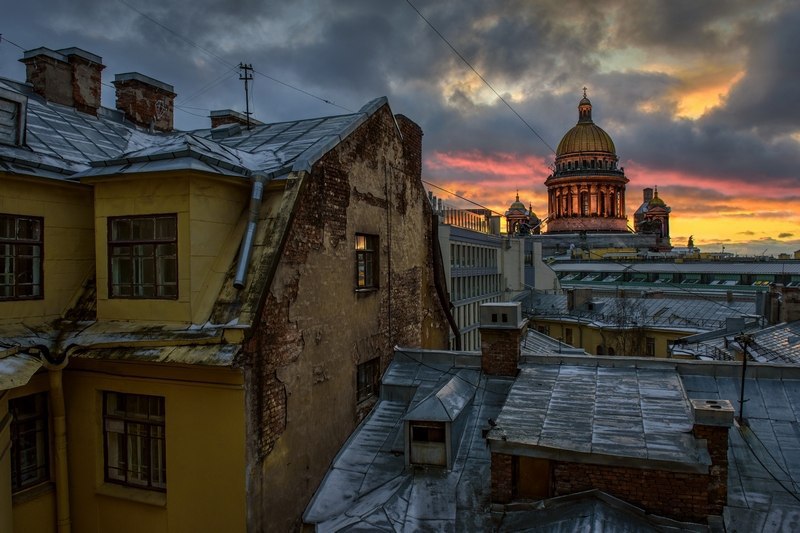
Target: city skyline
[(697, 97)]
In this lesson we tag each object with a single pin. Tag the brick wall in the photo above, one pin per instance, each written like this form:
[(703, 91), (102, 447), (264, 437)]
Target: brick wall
[(502, 478), (717, 442), (145, 105), (677, 495), (500, 351)]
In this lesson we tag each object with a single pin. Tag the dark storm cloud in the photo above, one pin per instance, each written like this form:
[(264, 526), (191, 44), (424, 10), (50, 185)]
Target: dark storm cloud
[(537, 54)]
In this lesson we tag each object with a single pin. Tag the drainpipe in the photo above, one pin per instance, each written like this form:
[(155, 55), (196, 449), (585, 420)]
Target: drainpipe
[(250, 233), (55, 366)]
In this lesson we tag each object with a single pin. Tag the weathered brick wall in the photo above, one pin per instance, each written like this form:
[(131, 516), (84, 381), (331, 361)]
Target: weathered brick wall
[(500, 351), (315, 328), (717, 442), (677, 495), (144, 104), (502, 478), (51, 79), (86, 84)]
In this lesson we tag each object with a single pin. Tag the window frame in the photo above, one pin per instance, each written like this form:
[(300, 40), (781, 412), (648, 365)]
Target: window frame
[(15, 259), (145, 441), (37, 423), (650, 346), (366, 255), (368, 379), (130, 244)]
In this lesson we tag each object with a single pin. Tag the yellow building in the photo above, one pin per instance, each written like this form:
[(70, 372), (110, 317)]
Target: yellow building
[(191, 324), (628, 325)]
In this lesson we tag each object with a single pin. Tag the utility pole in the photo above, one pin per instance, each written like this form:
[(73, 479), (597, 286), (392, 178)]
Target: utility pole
[(246, 76), (744, 340)]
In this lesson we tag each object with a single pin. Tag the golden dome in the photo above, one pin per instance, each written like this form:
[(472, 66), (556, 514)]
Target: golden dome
[(655, 201), (586, 136)]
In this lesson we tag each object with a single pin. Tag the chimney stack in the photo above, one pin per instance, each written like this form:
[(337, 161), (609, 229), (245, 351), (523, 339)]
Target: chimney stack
[(145, 101), (69, 76), (221, 117), (648, 194), (412, 145), (502, 327), (712, 419)]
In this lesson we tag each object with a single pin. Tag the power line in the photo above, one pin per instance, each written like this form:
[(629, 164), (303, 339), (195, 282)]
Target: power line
[(224, 61), (461, 197), (489, 85), (10, 42)]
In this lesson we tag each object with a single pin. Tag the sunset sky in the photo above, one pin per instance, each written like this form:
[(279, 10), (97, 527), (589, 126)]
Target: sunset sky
[(699, 97)]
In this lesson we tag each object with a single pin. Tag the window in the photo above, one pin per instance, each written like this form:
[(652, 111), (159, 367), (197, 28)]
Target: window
[(568, 335), (650, 346), (366, 261), (12, 117), (143, 257), (368, 380), (428, 432), (135, 445), (20, 257), (30, 456)]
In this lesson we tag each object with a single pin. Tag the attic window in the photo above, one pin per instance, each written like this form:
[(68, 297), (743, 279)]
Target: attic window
[(12, 118)]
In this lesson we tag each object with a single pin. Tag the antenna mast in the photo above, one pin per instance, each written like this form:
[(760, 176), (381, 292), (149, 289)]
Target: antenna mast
[(246, 75)]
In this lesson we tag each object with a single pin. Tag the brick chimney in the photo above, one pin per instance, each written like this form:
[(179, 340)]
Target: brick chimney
[(712, 419), (502, 327), (647, 194), (220, 117), (69, 76), (412, 145), (145, 101)]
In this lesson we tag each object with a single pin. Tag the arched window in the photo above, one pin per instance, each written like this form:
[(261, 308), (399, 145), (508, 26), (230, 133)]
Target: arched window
[(584, 203)]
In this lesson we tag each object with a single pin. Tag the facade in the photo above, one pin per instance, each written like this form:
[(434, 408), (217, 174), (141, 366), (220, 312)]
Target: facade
[(192, 323), (586, 191)]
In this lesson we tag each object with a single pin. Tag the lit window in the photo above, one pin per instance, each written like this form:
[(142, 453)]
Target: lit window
[(366, 261), (30, 456), (368, 380), (143, 257), (20, 257), (135, 445)]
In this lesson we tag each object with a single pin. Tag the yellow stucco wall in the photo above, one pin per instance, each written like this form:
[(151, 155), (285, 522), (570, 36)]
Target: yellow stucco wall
[(68, 241), (210, 226), (590, 336), (205, 455)]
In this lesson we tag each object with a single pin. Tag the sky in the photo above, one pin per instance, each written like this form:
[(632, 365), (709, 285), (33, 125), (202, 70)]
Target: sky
[(699, 97)]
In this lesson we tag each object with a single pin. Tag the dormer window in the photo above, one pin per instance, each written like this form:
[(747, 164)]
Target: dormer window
[(143, 256), (12, 117)]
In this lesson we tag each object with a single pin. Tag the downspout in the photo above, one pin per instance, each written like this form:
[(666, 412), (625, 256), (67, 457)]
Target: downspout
[(439, 279), (55, 366), (246, 248)]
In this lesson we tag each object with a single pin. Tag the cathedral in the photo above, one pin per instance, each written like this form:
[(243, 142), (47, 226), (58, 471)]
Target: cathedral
[(586, 197), (586, 191)]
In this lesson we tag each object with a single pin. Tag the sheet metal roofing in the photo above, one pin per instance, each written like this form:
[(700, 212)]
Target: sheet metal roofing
[(774, 344), (675, 313), (577, 413), (368, 487), (62, 142), (536, 343), (711, 267)]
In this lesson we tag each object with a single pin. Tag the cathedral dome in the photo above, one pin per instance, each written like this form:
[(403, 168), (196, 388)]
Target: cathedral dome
[(586, 136), (655, 201)]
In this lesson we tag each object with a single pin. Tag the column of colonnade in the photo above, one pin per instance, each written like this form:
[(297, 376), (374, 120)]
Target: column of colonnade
[(564, 200)]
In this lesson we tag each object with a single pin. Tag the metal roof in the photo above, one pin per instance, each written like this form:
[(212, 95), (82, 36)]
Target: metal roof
[(62, 142), (670, 313), (446, 403), (625, 415), (16, 370), (368, 486), (711, 267), (778, 343)]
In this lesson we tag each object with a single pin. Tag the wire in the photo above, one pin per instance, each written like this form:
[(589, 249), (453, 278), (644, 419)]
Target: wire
[(10, 42), (461, 197), (489, 85), (224, 61), (208, 86), (773, 476)]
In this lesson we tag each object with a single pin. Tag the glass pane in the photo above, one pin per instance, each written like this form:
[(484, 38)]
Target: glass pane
[(361, 242), (28, 229), (167, 270), (7, 227), (121, 229), (166, 228), (143, 229)]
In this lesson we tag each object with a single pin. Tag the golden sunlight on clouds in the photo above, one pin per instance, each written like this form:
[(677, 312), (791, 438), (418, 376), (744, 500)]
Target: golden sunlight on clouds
[(701, 87), (457, 86)]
